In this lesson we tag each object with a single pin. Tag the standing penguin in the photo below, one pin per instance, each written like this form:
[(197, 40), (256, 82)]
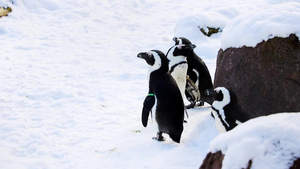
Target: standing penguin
[(164, 91), (226, 110), (178, 65), (197, 70)]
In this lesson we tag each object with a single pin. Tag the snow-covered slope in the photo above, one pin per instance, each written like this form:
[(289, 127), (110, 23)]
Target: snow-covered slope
[(72, 88)]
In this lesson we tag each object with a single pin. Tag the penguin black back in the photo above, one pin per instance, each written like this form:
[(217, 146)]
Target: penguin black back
[(233, 109), (169, 103)]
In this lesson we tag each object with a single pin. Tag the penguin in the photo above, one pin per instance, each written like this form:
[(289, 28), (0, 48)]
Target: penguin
[(225, 109), (178, 65), (197, 71), (165, 94)]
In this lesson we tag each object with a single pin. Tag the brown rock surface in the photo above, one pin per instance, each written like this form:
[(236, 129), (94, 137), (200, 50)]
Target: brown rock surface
[(213, 161), (296, 164), (266, 78)]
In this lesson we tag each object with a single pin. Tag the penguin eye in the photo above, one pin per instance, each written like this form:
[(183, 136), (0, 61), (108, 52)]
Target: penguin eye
[(177, 41), (149, 54), (218, 91), (219, 95)]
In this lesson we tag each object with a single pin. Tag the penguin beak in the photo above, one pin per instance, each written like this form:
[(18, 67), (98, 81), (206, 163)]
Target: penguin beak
[(193, 46), (142, 55), (210, 92), (175, 39)]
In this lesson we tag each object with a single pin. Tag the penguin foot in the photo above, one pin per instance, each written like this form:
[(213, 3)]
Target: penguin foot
[(192, 105), (159, 137), (201, 103)]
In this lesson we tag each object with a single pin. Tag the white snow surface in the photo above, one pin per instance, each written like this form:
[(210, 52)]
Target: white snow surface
[(269, 141), (72, 88)]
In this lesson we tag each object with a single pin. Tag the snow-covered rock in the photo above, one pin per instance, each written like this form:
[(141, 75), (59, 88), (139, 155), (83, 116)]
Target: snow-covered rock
[(266, 142)]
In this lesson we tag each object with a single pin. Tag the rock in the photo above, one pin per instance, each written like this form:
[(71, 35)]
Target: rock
[(214, 161), (296, 164), (266, 78), (4, 11), (208, 31), (264, 142)]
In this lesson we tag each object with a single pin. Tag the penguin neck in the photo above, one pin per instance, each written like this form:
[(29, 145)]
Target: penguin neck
[(158, 68), (224, 102), (192, 56), (219, 105), (173, 60), (220, 121), (155, 78), (157, 74), (177, 59)]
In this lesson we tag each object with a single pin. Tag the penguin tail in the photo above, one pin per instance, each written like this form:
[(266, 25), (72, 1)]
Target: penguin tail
[(176, 136)]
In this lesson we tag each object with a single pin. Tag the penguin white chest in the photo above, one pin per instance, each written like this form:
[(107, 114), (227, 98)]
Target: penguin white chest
[(179, 75), (218, 121)]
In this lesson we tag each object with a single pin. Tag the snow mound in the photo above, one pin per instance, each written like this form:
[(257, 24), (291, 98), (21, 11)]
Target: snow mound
[(269, 141), (261, 24)]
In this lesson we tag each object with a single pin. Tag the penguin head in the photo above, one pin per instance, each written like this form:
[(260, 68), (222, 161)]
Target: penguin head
[(222, 96), (181, 40), (155, 59), (182, 47)]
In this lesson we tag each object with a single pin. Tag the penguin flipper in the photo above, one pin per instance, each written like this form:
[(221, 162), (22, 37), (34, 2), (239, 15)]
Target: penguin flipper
[(148, 104)]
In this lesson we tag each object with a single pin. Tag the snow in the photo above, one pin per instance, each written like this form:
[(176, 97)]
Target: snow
[(269, 141), (253, 27), (72, 88)]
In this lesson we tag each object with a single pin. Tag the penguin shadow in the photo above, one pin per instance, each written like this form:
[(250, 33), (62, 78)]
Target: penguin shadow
[(225, 109)]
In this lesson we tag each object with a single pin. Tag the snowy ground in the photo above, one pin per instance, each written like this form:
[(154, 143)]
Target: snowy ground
[(72, 88)]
